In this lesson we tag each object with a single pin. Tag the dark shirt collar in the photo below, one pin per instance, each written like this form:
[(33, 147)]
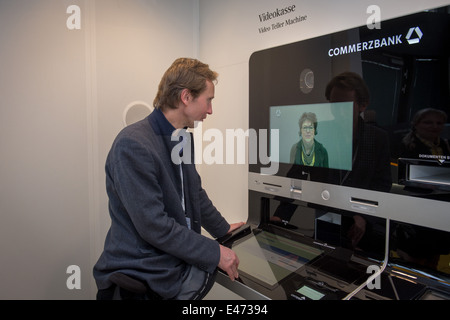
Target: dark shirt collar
[(160, 124)]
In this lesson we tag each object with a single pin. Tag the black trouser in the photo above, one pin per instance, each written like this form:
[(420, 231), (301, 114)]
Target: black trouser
[(116, 293), (127, 288)]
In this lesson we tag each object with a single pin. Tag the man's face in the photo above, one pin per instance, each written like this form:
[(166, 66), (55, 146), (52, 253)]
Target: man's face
[(342, 95), (197, 109)]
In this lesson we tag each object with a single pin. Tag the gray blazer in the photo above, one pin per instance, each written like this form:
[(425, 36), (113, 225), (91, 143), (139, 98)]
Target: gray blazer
[(149, 238)]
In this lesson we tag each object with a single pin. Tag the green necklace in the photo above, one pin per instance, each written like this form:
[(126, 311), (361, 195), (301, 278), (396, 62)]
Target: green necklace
[(308, 159)]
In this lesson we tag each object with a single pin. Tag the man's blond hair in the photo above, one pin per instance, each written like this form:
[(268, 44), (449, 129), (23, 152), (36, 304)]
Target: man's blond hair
[(184, 73)]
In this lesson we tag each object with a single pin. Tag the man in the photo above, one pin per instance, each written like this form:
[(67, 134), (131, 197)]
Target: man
[(371, 157), (157, 205)]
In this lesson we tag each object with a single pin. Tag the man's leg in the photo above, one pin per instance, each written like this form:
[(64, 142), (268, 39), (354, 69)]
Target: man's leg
[(196, 284)]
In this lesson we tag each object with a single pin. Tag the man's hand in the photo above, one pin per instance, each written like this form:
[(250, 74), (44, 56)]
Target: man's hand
[(229, 262), (357, 230), (234, 226)]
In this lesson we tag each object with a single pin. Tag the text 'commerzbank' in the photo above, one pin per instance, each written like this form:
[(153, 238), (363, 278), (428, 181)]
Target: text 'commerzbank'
[(366, 45)]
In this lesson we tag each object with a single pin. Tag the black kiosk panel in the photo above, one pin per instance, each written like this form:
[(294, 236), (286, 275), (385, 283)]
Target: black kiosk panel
[(392, 138)]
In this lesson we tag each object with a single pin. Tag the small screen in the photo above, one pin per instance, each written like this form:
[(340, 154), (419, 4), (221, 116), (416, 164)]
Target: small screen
[(318, 135), (310, 293), (270, 258)]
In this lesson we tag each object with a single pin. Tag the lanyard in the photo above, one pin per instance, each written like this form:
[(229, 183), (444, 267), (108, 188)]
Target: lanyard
[(183, 203), (182, 189)]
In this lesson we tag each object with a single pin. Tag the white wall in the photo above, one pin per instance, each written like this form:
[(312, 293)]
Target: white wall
[(62, 96), (229, 34), (44, 206)]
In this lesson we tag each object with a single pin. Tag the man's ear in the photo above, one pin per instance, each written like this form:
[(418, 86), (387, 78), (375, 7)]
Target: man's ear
[(185, 96)]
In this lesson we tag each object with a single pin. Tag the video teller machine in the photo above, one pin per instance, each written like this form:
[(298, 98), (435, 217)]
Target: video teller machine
[(352, 202)]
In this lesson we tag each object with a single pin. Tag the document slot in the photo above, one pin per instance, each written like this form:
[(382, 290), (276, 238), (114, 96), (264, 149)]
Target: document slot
[(364, 205), (364, 202)]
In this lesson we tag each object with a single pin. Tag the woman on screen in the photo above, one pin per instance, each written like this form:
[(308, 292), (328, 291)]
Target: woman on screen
[(308, 151)]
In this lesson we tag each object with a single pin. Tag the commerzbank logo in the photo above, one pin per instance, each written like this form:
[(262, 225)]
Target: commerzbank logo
[(413, 36)]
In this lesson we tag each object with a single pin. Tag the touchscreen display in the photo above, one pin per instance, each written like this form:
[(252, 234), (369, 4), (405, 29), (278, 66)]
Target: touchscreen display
[(269, 258)]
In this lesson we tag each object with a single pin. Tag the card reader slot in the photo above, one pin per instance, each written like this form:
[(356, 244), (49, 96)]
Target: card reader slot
[(272, 185)]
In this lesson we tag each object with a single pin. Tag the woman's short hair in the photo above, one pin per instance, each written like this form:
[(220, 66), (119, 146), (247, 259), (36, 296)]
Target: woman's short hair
[(311, 117)]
